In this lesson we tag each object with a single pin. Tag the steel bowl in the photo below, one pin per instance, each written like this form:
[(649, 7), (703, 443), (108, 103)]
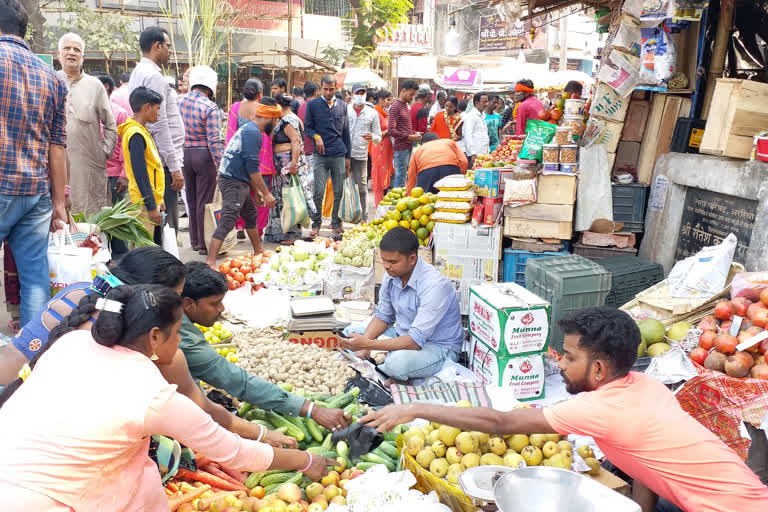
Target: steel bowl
[(548, 489)]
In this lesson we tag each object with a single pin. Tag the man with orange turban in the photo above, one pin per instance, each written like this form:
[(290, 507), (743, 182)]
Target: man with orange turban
[(528, 106)]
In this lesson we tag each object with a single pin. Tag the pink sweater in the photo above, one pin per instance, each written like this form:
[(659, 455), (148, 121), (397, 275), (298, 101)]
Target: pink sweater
[(76, 433)]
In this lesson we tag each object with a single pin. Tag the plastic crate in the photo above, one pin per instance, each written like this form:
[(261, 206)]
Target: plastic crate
[(514, 264), (629, 276), (597, 253), (629, 202), (569, 283)]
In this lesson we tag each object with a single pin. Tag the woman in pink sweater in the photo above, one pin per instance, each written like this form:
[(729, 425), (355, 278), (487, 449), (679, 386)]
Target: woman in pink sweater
[(76, 433)]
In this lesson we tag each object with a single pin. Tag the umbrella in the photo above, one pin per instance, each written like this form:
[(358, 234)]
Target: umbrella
[(558, 79), (349, 76)]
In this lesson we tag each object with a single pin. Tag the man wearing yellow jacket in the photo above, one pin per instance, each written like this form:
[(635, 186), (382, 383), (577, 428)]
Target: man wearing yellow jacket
[(143, 167)]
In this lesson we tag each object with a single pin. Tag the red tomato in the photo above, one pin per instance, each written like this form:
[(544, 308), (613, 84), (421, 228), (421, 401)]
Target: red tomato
[(239, 277)]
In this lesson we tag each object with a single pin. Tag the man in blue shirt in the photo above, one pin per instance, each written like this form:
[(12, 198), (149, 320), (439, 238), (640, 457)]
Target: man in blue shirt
[(326, 123), (418, 310)]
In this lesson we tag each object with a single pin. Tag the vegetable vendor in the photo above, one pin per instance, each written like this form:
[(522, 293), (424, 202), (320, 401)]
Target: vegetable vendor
[(635, 420), (204, 291), (87, 449), (528, 106), (418, 310)]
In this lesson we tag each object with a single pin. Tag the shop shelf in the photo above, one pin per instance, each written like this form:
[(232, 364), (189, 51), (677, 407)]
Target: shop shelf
[(629, 276), (629, 203), (514, 263)]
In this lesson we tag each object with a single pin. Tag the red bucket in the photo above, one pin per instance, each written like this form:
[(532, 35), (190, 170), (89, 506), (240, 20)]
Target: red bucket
[(761, 144)]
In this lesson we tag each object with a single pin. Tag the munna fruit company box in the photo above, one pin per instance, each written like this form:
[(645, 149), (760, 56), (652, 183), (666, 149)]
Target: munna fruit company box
[(508, 318), (522, 375)]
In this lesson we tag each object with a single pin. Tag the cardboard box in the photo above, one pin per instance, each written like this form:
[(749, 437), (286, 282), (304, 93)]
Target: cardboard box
[(608, 104), (492, 209), (465, 271), (523, 376), (556, 189), (489, 181), (328, 340), (537, 228), (509, 318), (540, 211), (464, 240), (425, 253)]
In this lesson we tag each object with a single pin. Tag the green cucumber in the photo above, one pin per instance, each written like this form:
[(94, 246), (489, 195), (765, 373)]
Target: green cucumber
[(282, 422), (341, 401), (343, 463), (272, 489), (342, 449), (318, 450), (295, 479), (256, 414), (285, 386), (376, 459), (244, 409), (253, 480), (278, 478), (299, 423), (314, 430), (327, 442), (351, 409), (363, 466), (390, 450), (315, 397), (282, 430), (355, 391), (263, 423), (381, 453)]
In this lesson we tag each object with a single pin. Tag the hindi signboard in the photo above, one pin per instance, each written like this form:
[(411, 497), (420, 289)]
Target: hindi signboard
[(708, 217), (496, 34)]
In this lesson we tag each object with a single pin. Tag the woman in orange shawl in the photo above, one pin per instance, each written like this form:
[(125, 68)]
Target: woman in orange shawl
[(382, 167), (447, 124)]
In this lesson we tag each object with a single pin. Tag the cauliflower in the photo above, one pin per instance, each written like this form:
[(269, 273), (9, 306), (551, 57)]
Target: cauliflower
[(349, 251), (357, 261)]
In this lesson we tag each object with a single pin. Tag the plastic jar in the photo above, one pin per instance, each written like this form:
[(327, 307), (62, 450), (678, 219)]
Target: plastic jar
[(526, 169), (569, 154), (550, 153), (564, 135)]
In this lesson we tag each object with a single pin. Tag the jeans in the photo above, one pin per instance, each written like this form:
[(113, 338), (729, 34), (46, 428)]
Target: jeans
[(409, 364), (25, 222), (324, 167), (116, 246), (236, 202), (359, 171), (401, 159)]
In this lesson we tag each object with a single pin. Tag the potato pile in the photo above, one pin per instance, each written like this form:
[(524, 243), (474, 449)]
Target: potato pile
[(306, 367)]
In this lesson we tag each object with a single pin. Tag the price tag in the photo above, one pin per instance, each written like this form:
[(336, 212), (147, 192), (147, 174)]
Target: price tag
[(736, 325)]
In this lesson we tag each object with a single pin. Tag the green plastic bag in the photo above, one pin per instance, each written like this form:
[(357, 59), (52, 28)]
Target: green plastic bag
[(294, 206), (537, 133)]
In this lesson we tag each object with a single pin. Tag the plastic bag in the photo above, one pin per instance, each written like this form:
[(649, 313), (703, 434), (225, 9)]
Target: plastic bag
[(537, 133), (749, 285), (456, 195), (451, 217), (294, 206), (328, 199), (705, 274), (620, 72), (658, 56), (519, 192), (627, 36), (67, 263), (454, 182), (654, 11), (453, 206), (350, 209), (169, 241), (594, 198)]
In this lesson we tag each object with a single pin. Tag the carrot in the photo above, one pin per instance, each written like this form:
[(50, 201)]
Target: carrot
[(169, 492), (177, 500), (206, 503), (237, 475), (207, 478), (216, 471), (201, 460)]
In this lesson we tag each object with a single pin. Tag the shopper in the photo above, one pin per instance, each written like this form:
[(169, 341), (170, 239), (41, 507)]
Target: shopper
[(528, 106), (239, 174), (420, 109), (401, 131), (448, 123), (574, 89), (310, 92), (508, 118), (280, 86), (121, 94), (492, 121), (143, 167), (476, 141), (364, 129), (326, 122), (418, 311), (434, 159), (100, 460), (382, 167), (116, 179), (666, 451), (204, 290), (33, 168), (437, 106), (289, 158), (91, 130), (202, 149), (168, 130), (298, 93)]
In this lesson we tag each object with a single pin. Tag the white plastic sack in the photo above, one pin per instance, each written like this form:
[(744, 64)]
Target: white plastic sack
[(67, 263), (594, 198), (704, 274), (169, 241), (347, 282)]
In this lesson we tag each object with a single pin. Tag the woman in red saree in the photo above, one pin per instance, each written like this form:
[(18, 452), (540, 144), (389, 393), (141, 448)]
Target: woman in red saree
[(382, 167), (447, 124)]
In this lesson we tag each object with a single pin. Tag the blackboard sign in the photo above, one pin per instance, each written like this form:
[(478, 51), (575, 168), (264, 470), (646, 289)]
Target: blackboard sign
[(708, 217)]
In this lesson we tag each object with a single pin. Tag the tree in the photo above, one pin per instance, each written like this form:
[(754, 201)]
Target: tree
[(375, 18), (205, 25), (105, 32)]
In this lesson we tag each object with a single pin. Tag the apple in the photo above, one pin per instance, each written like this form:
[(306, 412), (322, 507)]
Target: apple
[(724, 310), (760, 318), (753, 308), (707, 340), (740, 306), (698, 355)]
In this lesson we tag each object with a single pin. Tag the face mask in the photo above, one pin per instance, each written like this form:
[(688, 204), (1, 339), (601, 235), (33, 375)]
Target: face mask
[(359, 99)]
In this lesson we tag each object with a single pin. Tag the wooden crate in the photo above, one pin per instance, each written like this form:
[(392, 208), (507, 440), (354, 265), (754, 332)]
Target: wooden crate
[(556, 189), (739, 111), (665, 111)]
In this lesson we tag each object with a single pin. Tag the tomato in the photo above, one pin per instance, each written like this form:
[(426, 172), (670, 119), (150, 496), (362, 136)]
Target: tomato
[(231, 283), (235, 264), (224, 267), (246, 269), (239, 277)]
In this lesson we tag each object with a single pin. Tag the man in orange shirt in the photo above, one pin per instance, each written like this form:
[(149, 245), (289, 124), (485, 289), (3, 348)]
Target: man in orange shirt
[(634, 419), (434, 159)]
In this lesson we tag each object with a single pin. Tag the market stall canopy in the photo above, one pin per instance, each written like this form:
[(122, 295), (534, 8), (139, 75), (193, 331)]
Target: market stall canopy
[(558, 79), (349, 76), (271, 51)]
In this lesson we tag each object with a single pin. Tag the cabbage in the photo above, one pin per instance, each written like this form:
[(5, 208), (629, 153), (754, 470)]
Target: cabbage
[(294, 280), (300, 255), (311, 277)]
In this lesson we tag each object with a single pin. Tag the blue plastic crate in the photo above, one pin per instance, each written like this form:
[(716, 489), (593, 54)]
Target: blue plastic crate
[(514, 264)]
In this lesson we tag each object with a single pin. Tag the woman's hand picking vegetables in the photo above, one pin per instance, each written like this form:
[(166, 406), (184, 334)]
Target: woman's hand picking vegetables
[(332, 419), (389, 417), (279, 440), (319, 467)]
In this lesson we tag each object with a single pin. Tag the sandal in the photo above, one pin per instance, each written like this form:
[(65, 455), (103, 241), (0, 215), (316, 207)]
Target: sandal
[(287, 241)]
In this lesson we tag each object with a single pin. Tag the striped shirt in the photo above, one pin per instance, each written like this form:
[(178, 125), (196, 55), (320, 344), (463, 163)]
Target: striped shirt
[(201, 123), (32, 116)]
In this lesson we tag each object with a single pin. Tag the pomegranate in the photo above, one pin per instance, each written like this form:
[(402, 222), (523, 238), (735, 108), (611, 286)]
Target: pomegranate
[(724, 310), (760, 318), (740, 306), (763, 347), (759, 371), (698, 355), (739, 364), (715, 361), (754, 307), (543, 115), (726, 343), (759, 359), (764, 296), (708, 323), (707, 340), (726, 326)]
